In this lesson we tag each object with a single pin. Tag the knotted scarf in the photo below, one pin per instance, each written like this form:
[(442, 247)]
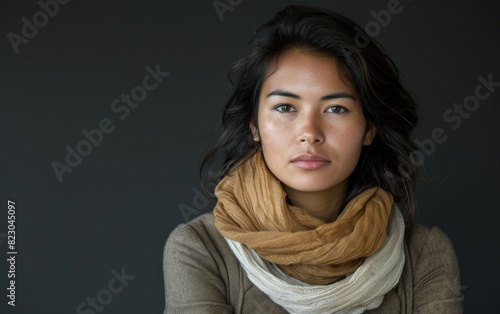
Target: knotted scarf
[(252, 210)]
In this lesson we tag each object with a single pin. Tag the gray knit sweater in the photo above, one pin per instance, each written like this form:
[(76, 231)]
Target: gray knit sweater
[(202, 275)]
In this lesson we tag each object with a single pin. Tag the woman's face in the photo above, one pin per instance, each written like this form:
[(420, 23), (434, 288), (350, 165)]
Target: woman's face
[(311, 125)]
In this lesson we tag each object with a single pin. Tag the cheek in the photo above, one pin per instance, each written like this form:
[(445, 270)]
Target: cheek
[(266, 134), (275, 142), (349, 140), (272, 132), (271, 144)]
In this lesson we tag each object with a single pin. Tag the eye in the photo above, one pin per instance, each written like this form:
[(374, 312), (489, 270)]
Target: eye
[(336, 109), (284, 108)]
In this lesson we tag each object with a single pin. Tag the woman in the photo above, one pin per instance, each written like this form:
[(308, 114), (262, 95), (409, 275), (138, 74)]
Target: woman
[(316, 190)]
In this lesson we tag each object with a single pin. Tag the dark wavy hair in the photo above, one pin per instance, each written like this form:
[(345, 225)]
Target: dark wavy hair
[(386, 104)]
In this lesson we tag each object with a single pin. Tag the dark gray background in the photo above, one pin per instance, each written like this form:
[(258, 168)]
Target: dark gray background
[(118, 206)]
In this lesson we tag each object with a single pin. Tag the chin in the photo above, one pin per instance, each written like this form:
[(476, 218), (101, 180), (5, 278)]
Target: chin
[(311, 187)]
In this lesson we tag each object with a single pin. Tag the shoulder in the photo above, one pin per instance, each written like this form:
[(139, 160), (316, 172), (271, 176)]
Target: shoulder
[(201, 226), (198, 235), (202, 275), (198, 268), (199, 242), (435, 270), (424, 239), (431, 248)]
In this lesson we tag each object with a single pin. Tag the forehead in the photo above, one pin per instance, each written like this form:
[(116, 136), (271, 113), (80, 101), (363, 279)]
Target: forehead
[(307, 73)]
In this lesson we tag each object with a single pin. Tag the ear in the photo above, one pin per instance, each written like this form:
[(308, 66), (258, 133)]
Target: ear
[(370, 133), (255, 131)]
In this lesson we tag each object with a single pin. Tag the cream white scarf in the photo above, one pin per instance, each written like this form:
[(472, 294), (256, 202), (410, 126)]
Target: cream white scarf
[(360, 291)]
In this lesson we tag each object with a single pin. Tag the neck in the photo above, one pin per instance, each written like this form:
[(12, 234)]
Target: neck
[(321, 204)]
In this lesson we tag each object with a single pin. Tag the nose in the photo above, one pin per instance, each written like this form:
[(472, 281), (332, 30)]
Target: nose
[(310, 130)]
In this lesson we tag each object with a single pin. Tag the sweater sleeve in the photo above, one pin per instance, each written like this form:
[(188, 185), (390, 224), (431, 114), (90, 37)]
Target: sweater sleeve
[(193, 282), (436, 274)]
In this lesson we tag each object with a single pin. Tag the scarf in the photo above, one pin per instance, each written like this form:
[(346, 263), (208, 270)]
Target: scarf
[(252, 210), (360, 291)]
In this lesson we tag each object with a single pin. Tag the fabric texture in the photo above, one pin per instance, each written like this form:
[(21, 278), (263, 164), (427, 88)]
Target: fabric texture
[(252, 210), (360, 291), (202, 275)]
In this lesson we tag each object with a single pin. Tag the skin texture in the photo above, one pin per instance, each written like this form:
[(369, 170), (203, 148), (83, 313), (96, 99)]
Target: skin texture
[(334, 130)]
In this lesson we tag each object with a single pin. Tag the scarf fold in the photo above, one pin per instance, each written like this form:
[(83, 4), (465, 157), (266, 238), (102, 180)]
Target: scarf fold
[(360, 291), (252, 210)]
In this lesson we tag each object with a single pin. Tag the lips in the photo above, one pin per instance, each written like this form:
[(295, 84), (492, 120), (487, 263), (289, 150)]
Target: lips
[(310, 161)]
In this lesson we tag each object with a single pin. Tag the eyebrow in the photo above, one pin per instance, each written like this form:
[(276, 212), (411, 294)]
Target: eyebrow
[(284, 93)]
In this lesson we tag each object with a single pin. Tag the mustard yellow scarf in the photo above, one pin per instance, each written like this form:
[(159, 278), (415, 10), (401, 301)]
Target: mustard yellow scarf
[(252, 210)]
